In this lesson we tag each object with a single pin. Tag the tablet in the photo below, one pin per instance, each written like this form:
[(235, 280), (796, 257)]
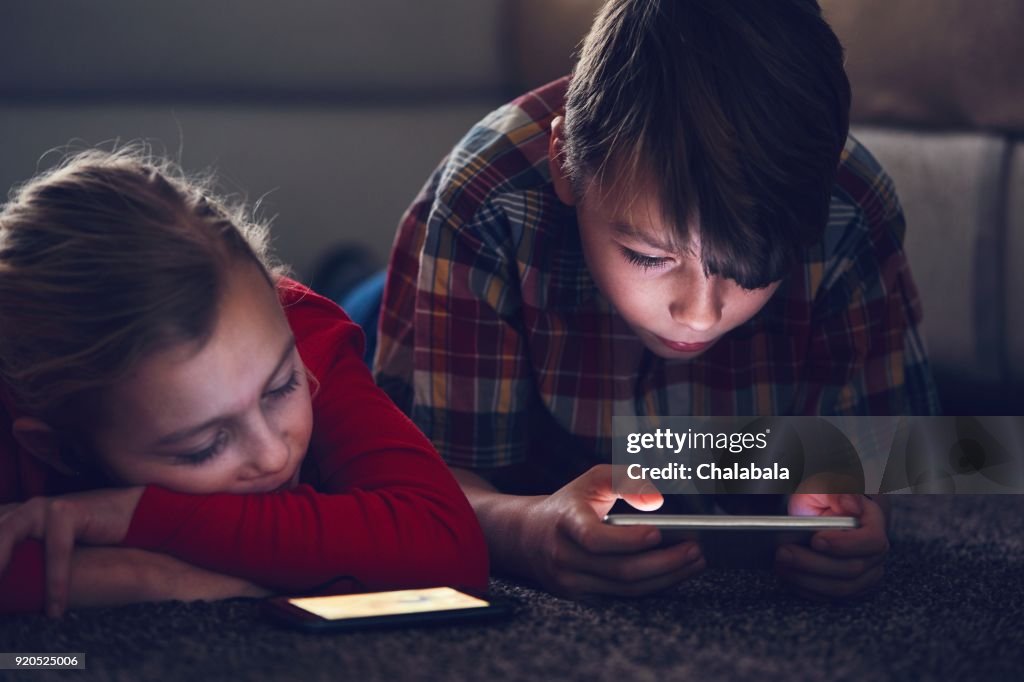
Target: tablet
[(735, 541), (698, 522)]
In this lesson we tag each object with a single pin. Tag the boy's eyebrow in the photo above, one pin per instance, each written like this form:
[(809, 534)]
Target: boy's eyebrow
[(627, 230), (182, 434)]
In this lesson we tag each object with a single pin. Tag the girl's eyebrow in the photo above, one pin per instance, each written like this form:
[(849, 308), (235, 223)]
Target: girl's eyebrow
[(182, 434), (629, 231)]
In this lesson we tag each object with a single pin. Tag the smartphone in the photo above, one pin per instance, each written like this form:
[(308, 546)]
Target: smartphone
[(735, 541), (399, 608)]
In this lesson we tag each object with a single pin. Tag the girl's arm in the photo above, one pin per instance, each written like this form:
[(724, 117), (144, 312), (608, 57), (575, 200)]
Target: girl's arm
[(113, 576), (390, 513)]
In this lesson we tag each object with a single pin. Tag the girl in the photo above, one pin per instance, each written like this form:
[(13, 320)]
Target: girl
[(179, 420)]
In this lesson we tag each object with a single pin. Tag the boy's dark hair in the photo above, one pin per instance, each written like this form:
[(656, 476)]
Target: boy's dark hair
[(737, 110)]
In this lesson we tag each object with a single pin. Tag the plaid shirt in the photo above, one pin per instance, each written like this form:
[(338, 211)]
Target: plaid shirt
[(494, 339)]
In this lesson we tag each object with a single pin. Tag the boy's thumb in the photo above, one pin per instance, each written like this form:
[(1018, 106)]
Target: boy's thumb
[(646, 498)]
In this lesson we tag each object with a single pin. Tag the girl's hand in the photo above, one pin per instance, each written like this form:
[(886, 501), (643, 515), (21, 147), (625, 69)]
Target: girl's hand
[(115, 576), (839, 563), (95, 517), (169, 578)]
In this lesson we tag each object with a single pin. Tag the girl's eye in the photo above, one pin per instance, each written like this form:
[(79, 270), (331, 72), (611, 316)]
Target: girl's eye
[(288, 387), (206, 454), (642, 261)]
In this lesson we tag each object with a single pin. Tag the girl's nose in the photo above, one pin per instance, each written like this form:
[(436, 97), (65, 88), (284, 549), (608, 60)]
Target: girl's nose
[(268, 452)]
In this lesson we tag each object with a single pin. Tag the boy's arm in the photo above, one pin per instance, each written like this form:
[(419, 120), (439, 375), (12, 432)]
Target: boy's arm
[(866, 354), (560, 541), (452, 354)]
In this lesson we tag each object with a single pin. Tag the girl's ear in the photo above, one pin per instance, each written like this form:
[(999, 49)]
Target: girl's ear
[(42, 442), (556, 163)]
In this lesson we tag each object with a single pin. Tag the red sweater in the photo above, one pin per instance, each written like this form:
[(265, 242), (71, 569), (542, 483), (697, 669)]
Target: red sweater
[(376, 507)]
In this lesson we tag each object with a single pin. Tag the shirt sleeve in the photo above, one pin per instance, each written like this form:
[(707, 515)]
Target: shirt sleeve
[(22, 582), (867, 355), (452, 350), (387, 514)]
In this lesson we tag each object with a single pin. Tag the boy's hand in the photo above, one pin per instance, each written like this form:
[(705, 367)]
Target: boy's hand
[(839, 563), (572, 552), (95, 517)]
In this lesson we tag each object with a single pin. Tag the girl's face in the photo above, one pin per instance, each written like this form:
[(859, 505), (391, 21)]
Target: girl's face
[(233, 415)]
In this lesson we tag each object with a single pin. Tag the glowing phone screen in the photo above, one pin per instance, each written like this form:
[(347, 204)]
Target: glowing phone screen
[(342, 606)]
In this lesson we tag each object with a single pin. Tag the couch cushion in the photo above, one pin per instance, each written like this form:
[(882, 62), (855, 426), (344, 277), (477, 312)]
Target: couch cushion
[(934, 63), (544, 35), (950, 186), (1014, 266)]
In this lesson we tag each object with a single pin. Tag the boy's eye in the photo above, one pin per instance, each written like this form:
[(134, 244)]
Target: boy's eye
[(642, 261), (288, 387), (208, 453)]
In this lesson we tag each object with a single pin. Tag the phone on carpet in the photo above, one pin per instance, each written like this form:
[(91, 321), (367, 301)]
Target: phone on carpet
[(398, 608)]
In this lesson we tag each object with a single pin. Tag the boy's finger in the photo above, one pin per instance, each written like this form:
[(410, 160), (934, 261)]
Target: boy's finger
[(588, 584), (593, 535), (858, 542), (818, 585), (851, 504), (642, 495), (639, 567), (808, 504), (604, 484), (648, 499), (870, 538), (796, 558)]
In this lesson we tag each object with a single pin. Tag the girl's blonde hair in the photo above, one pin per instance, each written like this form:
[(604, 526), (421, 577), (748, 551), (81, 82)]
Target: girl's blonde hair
[(105, 259)]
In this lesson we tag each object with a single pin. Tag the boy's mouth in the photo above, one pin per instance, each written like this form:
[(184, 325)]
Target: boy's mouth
[(680, 347)]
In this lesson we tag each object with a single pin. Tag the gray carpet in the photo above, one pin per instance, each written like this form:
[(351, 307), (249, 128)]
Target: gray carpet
[(951, 608)]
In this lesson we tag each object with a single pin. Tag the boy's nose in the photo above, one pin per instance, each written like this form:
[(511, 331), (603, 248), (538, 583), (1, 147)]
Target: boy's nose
[(697, 307)]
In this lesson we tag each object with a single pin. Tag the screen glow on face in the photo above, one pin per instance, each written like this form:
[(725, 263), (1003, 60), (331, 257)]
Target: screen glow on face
[(342, 606)]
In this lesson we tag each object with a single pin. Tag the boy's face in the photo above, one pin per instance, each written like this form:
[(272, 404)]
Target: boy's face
[(233, 415), (657, 286)]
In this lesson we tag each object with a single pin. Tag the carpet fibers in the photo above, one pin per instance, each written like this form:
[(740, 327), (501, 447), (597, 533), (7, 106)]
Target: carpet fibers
[(951, 608)]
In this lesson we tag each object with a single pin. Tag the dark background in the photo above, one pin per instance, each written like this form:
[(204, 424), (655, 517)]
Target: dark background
[(330, 115)]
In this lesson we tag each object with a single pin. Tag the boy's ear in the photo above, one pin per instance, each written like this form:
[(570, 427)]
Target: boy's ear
[(556, 163), (42, 442)]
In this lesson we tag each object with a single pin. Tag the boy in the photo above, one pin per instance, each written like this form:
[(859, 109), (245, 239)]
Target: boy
[(684, 228)]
